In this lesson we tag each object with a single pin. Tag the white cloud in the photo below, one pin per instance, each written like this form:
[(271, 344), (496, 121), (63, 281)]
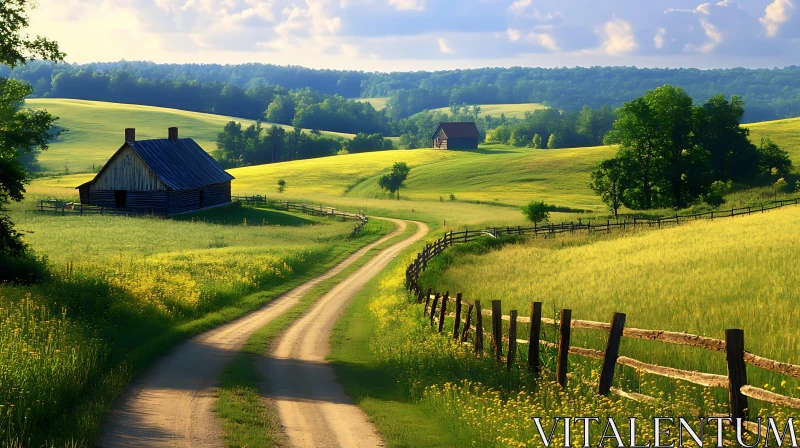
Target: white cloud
[(513, 35), (775, 15), (519, 6), (658, 39), (408, 5), (526, 8), (443, 47), (705, 8), (714, 38), (619, 38), (544, 40)]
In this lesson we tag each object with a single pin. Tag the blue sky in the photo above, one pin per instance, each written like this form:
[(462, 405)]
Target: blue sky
[(388, 35)]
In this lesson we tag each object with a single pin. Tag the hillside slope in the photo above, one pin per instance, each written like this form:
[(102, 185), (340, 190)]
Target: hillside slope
[(509, 110), (96, 129), (494, 174)]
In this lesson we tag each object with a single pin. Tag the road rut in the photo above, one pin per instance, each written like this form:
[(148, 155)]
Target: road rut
[(313, 409), (171, 405)]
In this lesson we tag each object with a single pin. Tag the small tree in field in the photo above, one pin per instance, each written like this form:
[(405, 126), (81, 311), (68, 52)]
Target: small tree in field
[(607, 183), (536, 211), (537, 142), (281, 186), (394, 181)]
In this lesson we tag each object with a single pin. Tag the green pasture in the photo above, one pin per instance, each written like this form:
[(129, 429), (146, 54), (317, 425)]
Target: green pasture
[(378, 103), (96, 130), (509, 110)]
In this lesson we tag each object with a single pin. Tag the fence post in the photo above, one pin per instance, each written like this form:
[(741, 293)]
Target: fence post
[(478, 327), (497, 329), (443, 310), (512, 340), (611, 354), (433, 307), (467, 324), (732, 211), (457, 324), (427, 301), (533, 337), (563, 346), (737, 372), (466, 233)]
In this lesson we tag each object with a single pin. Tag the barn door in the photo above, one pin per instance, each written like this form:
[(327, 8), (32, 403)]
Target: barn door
[(120, 198)]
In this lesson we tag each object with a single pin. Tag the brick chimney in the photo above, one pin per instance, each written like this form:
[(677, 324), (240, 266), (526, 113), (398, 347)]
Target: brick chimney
[(130, 135), (173, 134)]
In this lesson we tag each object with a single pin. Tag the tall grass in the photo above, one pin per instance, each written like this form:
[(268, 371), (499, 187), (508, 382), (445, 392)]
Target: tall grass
[(487, 405), (123, 290), (701, 278)]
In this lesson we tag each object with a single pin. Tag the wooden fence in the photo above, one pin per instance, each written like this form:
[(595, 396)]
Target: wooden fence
[(468, 328), (314, 210), (64, 208)]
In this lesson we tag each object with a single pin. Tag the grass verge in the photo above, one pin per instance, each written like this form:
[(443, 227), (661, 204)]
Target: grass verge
[(246, 419)]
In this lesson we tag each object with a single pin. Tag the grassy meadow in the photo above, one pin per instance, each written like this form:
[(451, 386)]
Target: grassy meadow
[(96, 130), (701, 278), (378, 103), (123, 290), (509, 110)]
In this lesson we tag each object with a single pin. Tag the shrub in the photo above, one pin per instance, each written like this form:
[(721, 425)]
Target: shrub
[(716, 194), (536, 211)]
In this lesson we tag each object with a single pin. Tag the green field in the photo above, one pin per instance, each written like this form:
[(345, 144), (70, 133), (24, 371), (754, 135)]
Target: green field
[(701, 278), (495, 174), (378, 103), (509, 110), (124, 290), (97, 129)]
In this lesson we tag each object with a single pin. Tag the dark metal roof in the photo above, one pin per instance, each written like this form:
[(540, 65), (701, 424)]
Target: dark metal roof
[(459, 129), (181, 164)]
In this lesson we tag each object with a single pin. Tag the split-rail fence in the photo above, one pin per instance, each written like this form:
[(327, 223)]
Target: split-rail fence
[(505, 341)]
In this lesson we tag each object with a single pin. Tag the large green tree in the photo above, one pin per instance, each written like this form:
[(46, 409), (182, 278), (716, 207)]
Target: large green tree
[(395, 180), (21, 130), (718, 130)]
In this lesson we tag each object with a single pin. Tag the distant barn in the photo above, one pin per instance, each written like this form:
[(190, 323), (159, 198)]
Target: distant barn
[(162, 176), (456, 135)]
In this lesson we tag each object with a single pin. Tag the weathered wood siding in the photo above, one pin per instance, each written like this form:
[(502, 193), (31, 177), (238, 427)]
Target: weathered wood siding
[(440, 140), (127, 171)]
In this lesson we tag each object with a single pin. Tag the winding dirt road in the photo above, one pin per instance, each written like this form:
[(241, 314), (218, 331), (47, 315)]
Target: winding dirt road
[(314, 410), (172, 404)]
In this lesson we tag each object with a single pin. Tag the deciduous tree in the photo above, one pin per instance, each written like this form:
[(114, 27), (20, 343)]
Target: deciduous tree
[(395, 180)]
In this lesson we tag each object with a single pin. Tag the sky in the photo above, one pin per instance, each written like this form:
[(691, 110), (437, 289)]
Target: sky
[(405, 35)]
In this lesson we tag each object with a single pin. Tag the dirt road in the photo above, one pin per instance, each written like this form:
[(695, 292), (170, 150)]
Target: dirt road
[(313, 409), (172, 404)]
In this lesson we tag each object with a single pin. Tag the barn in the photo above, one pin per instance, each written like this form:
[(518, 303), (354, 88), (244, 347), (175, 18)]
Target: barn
[(456, 135), (161, 176)]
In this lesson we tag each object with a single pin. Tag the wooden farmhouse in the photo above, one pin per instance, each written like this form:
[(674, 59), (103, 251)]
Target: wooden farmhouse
[(456, 135), (161, 176)]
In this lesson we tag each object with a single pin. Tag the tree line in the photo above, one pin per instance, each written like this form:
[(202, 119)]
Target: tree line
[(769, 93), (673, 153), (550, 128), (256, 145)]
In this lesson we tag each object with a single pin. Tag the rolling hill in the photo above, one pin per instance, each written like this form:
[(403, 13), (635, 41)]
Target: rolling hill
[(493, 175), (95, 129), (510, 110), (377, 103)]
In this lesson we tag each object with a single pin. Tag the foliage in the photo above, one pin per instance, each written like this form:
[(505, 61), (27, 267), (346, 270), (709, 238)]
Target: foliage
[(715, 196), (16, 48), (537, 142), (773, 160), (22, 131), (281, 185), (536, 211), (671, 152), (255, 146), (607, 182), (394, 180), (366, 143)]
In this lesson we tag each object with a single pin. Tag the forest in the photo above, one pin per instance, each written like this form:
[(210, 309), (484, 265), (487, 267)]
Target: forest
[(246, 90)]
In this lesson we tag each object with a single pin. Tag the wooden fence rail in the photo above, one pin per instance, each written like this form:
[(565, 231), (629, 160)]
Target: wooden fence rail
[(472, 321), (314, 210)]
